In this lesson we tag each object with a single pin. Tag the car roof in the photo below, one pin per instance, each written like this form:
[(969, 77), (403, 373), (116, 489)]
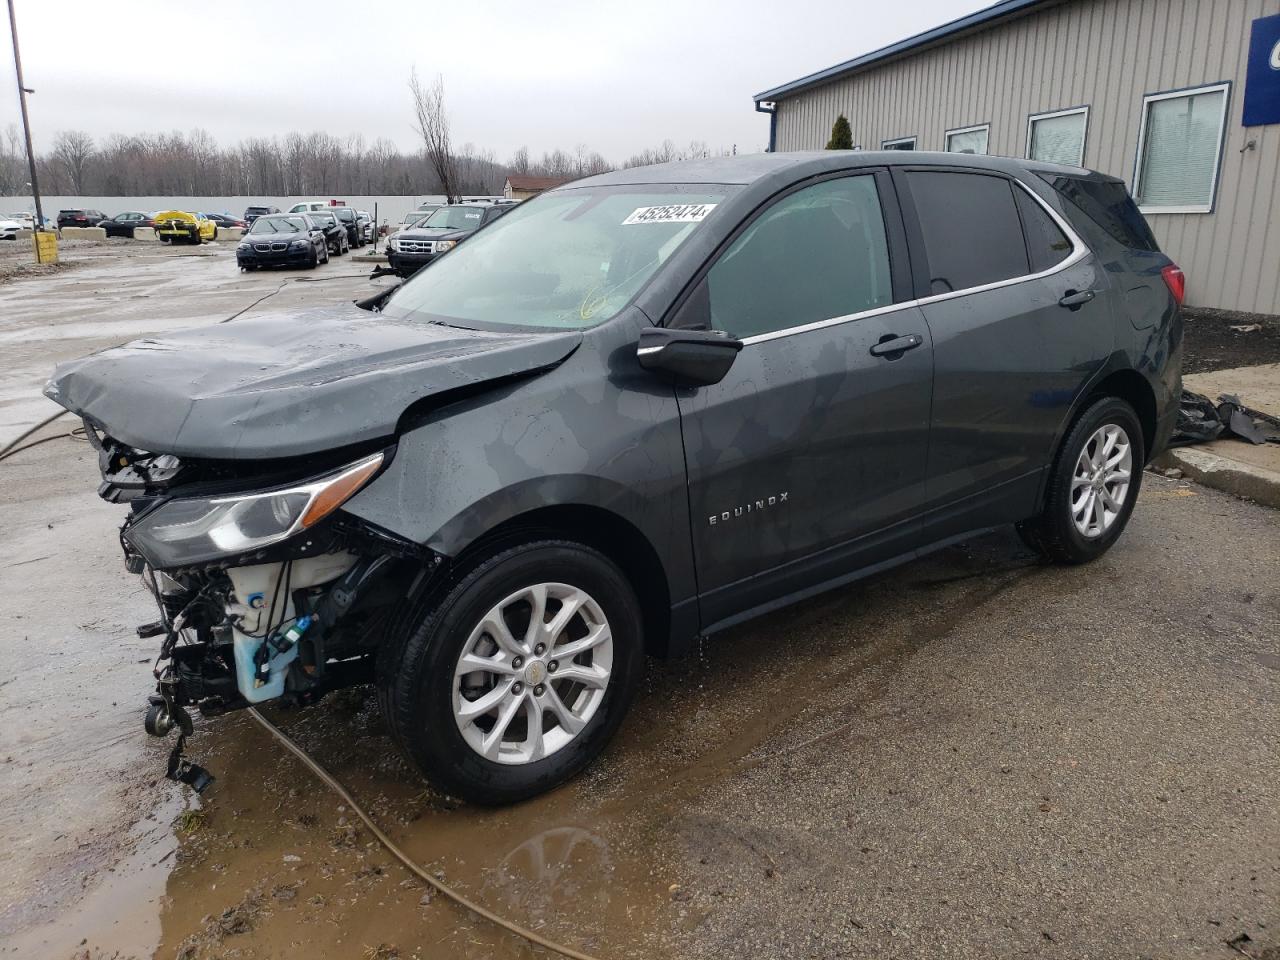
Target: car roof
[(748, 168)]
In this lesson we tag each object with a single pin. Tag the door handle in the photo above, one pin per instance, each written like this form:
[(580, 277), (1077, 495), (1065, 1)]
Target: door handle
[(893, 347), (1075, 299)]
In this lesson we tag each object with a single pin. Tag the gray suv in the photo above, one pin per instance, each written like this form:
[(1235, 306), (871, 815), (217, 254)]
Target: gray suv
[(635, 411)]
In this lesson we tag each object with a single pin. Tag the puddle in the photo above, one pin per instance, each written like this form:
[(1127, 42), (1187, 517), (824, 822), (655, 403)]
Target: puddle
[(273, 865)]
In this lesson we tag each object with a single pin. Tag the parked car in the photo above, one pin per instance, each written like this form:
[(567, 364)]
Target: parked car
[(252, 213), (366, 225), (335, 231), (79, 218), (412, 249), (174, 225), (28, 220), (9, 228), (418, 215), (123, 224), (222, 220), (310, 206), (635, 411), (351, 221), (282, 239)]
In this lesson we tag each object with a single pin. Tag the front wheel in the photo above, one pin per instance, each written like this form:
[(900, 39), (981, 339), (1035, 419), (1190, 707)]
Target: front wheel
[(1093, 484), (518, 675)]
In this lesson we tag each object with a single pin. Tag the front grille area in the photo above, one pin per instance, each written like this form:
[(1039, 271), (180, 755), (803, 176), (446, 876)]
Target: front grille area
[(271, 247), (417, 246)]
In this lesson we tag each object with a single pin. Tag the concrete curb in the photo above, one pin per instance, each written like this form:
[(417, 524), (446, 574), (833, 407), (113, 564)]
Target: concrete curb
[(1231, 476), (83, 233)]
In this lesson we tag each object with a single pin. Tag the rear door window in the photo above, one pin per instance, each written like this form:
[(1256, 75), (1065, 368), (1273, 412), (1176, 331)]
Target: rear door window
[(1047, 245), (972, 234), (817, 254)]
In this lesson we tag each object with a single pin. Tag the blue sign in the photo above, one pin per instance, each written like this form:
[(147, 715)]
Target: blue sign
[(1262, 81)]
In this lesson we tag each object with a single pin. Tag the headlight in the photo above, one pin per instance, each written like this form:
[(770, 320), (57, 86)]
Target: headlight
[(394, 243), (244, 246), (299, 244), (443, 246), (199, 529)]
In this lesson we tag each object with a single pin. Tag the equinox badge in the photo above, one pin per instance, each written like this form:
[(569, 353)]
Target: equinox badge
[(755, 506)]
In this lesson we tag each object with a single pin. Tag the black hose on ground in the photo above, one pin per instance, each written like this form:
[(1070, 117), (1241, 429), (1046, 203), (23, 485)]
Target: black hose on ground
[(345, 795)]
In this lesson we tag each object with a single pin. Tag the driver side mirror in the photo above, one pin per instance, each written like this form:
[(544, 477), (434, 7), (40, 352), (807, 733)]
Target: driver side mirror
[(691, 358)]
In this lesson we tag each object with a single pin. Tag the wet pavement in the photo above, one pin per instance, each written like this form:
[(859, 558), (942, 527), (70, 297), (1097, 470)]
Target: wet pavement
[(971, 756)]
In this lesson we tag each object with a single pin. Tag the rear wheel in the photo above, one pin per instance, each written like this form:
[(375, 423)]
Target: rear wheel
[(1093, 484), (518, 675)]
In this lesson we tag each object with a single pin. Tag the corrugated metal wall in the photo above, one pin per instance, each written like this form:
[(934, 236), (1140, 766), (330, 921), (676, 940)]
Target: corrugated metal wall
[(1106, 54)]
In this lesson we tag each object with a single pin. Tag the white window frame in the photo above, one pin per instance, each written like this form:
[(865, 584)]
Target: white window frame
[(892, 144), (1053, 115), (1149, 98), (985, 127)]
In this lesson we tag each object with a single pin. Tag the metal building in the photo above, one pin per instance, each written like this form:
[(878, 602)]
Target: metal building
[(1157, 92)]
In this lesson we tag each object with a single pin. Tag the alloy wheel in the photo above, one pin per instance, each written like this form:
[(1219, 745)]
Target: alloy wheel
[(1100, 482), (532, 673)]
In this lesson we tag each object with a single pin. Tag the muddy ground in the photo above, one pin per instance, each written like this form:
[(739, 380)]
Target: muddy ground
[(971, 756), (1219, 340)]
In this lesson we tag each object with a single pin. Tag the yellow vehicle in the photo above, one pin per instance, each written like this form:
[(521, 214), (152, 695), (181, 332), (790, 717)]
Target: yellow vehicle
[(178, 225)]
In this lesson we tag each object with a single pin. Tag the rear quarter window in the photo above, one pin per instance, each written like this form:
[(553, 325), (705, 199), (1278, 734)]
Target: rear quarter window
[(1047, 245), (1107, 205)]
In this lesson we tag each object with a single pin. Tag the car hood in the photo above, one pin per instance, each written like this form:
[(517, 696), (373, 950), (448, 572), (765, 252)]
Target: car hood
[(275, 237), (287, 383)]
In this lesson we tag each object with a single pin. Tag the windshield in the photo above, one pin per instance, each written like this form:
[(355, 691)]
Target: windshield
[(324, 218), (347, 215), (454, 218), (278, 225), (564, 260)]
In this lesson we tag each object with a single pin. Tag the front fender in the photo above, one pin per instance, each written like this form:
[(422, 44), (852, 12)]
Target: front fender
[(596, 432)]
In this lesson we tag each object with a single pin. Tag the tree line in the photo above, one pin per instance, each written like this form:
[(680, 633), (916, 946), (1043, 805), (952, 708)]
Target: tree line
[(194, 164)]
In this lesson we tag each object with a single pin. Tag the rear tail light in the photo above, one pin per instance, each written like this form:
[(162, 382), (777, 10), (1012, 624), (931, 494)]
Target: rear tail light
[(1176, 281)]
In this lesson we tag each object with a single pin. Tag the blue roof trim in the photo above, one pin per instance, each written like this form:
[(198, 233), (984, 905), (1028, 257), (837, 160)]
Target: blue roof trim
[(997, 11)]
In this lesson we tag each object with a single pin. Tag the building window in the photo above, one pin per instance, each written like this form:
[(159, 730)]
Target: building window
[(1058, 137), (968, 139), (901, 143), (1180, 149)]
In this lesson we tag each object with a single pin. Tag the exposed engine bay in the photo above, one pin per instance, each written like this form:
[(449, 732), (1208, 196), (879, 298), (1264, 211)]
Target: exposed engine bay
[(264, 590)]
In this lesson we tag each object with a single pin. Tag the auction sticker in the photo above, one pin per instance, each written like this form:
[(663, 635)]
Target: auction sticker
[(671, 213)]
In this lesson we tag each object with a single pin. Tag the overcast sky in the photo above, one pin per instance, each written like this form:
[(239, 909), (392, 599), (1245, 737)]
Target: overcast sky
[(616, 76)]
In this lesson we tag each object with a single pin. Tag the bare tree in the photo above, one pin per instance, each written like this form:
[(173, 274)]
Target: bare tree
[(13, 166), (72, 150), (432, 123), (519, 162)]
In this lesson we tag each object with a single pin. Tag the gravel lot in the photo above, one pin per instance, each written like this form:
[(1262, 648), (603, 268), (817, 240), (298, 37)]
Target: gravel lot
[(972, 756)]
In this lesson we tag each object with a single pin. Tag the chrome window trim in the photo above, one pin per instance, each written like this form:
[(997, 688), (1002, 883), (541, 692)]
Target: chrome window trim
[(1078, 252)]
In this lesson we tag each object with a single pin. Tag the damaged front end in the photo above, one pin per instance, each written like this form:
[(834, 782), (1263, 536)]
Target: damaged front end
[(266, 590)]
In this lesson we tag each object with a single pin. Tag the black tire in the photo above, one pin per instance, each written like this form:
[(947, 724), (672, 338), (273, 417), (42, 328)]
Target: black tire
[(1054, 533), (323, 252), (416, 674)]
